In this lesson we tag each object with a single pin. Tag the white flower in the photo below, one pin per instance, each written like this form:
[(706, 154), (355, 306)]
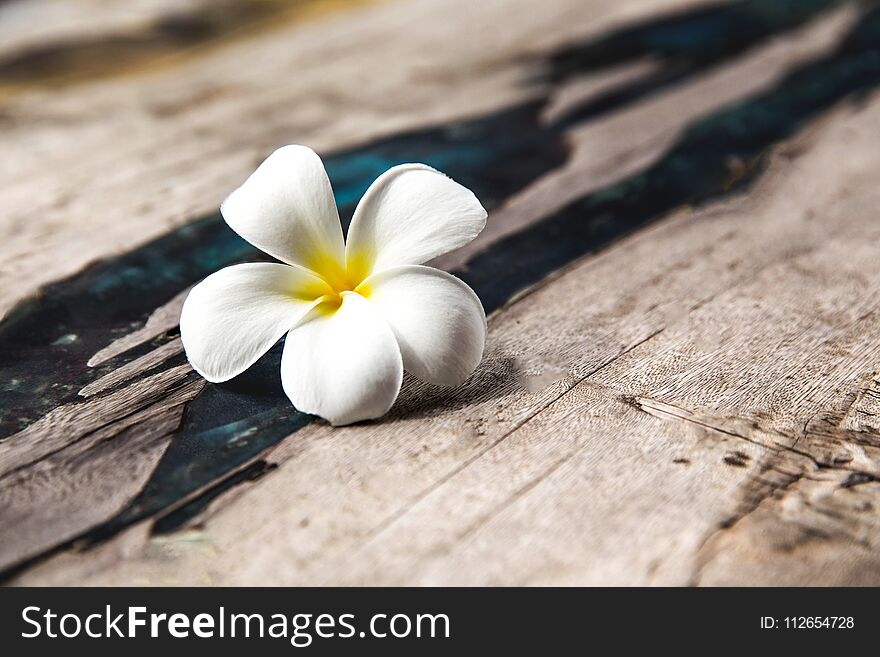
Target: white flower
[(356, 314)]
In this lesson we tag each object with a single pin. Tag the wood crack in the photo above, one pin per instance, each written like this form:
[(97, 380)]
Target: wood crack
[(388, 522)]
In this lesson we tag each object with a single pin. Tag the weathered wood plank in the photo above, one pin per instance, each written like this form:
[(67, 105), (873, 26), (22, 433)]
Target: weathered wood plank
[(51, 43), (616, 145), (165, 146), (673, 407), (83, 463), (704, 397)]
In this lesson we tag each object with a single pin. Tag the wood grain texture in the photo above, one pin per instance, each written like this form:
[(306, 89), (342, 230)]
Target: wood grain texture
[(681, 379), (653, 434), (339, 89)]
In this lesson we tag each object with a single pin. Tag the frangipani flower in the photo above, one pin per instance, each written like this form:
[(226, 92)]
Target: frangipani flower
[(356, 314)]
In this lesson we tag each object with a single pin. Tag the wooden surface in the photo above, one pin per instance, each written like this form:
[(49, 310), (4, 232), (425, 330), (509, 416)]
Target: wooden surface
[(682, 377)]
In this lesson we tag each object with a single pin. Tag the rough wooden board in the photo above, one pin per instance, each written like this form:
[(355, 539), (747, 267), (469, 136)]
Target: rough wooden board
[(48, 45), (133, 368), (108, 475), (159, 148), (608, 150), (80, 466), (690, 360), (99, 109), (68, 424), (38, 24), (454, 482), (622, 143)]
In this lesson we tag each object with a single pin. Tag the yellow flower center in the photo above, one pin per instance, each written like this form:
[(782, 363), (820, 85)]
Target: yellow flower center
[(339, 279)]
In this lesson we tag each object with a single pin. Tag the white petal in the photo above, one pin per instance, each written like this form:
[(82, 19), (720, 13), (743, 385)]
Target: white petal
[(286, 208), (438, 321), (235, 315), (343, 365), (410, 214)]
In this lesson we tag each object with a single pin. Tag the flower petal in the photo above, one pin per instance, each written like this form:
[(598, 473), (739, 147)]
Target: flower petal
[(235, 315), (410, 214), (438, 321), (342, 363), (286, 208)]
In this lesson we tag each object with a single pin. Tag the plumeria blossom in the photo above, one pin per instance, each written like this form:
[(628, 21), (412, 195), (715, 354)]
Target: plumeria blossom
[(356, 313)]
